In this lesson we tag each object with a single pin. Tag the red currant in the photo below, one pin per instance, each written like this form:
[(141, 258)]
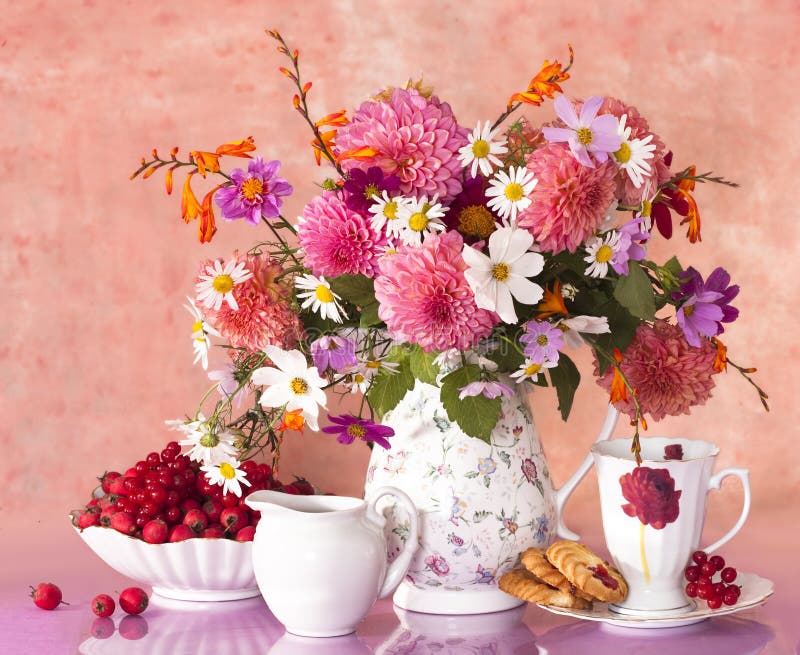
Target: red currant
[(730, 597), (714, 603), (708, 569), (718, 562), (691, 589), (692, 573), (728, 574), (705, 592), (719, 588), (699, 557)]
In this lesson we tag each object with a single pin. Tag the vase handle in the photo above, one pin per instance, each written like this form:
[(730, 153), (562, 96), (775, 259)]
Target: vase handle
[(563, 494)]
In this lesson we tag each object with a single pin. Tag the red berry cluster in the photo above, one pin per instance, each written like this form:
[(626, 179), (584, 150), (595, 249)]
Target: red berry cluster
[(700, 576), (165, 497)]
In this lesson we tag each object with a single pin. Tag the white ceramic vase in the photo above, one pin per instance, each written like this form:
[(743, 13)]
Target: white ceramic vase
[(480, 504)]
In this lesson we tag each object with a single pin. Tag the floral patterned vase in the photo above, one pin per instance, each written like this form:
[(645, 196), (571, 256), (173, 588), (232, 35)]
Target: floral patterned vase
[(480, 505)]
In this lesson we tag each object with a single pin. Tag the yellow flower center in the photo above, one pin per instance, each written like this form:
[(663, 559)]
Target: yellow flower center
[(514, 192), (533, 369), (222, 283), (209, 440), (480, 149), (356, 430), (373, 363), (542, 340), (227, 471), (647, 208), (298, 386), (604, 254), (501, 272), (198, 326), (418, 221), (688, 310), (358, 378), (252, 188), (370, 191), (585, 135), (476, 221), (623, 154), (323, 294), (390, 210)]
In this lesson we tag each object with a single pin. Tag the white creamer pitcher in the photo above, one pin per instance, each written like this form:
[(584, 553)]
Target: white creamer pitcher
[(320, 561)]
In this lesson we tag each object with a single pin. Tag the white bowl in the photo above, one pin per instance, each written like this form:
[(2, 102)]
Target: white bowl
[(194, 569)]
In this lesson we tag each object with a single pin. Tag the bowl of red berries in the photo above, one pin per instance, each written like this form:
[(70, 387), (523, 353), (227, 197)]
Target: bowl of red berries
[(165, 524)]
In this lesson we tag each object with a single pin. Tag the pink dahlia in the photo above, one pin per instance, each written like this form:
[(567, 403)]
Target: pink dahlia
[(669, 375), (569, 201), (425, 299), (337, 240), (264, 317), (627, 193), (415, 138)]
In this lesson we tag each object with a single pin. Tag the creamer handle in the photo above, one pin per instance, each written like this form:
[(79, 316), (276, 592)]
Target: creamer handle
[(569, 486)]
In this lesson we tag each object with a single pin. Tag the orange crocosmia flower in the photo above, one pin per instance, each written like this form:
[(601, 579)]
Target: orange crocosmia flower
[(553, 302), (544, 85), (721, 358), (327, 143), (359, 154), (336, 119), (205, 161), (293, 421), (190, 207), (685, 184), (237, 148), (692, 218), (619, 392), (207, 226)]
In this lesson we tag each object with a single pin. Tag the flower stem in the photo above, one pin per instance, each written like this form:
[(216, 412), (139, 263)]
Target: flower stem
[(643, 554)]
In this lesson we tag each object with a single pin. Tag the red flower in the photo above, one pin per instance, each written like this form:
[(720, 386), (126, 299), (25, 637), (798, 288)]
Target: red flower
[(651, 496), (529, 470)]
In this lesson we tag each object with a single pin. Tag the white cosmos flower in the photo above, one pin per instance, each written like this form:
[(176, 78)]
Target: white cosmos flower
[(217, 283), (200, 331), (633, 154), (208, 446), (509, 192), (228, 474), (385, 213), (501, 276), (319, 297), (530, 370), (420, 217), (293, 384), (586, 324), (482, 150), (599, 252)]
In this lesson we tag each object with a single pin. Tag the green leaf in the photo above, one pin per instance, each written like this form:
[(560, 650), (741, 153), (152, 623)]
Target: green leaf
[(355, 289), (475, 415), (622, 325), (674, 266), (369, 315), (422, 366), (388, 389), (565, 378), (507, 358), (634, 291)]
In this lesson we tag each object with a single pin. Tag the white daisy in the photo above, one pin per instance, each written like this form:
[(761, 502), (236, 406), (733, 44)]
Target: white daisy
[(385, 212), (530, 370), (371, 367), (481, 150), (574, 325), (509, 192), (633, 154), (357, 382), (200, 331), (228, 474), (293, 384), (207, 445), (599, 252), (497, 279), (420, 217), (217, 283), (569, 291), (319, 297)]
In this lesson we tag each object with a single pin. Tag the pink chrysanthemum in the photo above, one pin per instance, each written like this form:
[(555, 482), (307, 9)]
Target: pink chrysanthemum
[(415, 138), (337, 240), (425, 299), (626, 192), (569, 201), (669, 375), (264, 317)]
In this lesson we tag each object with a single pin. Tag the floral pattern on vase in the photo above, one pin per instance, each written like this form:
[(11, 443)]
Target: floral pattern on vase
[(480, 504)]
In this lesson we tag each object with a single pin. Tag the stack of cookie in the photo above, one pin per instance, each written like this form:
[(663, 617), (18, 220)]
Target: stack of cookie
[(567, 575)]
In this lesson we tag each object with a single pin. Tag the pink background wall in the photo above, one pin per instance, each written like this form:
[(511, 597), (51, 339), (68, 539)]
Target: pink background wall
[(94, 342)]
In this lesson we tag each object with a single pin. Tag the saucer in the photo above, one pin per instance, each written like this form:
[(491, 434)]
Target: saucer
[(755, 590)]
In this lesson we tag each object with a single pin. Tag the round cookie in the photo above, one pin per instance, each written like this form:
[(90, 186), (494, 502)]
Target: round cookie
[(587, 571), (524, 585), (535, 561)]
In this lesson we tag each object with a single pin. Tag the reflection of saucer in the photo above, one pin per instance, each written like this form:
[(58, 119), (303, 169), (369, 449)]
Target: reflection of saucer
[(755, 590), (730, 635), (291, 644)]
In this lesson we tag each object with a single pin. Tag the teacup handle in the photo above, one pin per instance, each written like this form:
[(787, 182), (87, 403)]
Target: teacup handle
[(714, 483), (398, 568)]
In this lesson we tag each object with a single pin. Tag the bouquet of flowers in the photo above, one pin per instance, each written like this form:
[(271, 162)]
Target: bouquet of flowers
[(466, 259)]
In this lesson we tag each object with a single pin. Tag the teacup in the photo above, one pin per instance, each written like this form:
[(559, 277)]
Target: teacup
[(653, 516)]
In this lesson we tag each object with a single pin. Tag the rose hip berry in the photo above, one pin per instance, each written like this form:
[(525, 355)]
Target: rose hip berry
[(46, 596), (103, 605), (133, 600), (196, 519), (155, 531), (246, 533), (124, 522), (180, 532)]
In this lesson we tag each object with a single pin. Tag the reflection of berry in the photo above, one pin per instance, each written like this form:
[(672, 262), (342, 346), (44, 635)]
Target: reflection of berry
[(132, 627), (102, 628)]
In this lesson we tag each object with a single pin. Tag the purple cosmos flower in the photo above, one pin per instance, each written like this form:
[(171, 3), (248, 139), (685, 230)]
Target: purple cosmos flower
[(364, 187), (633, 236), (706, 305), (338, 353), (487, 389), (468, 212), (586, 134), (255, 193), (542, 341), (349, 428)]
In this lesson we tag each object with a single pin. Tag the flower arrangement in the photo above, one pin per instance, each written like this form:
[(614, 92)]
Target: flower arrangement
[(467, 259)]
